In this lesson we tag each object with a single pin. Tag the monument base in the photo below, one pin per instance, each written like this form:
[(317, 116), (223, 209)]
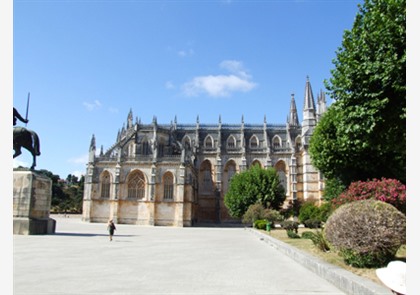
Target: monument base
[(31, 203), (32, 226)]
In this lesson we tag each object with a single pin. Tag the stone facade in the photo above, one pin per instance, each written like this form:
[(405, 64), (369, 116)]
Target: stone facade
[(177, 174)]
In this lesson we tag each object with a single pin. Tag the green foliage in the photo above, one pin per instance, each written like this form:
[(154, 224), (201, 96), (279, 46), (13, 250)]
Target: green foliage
[(293, 235), (58, 196), (292, 209), (308, 210), (325, 211), (318, 239), (273, 215), (390, 191), (255, 185), (290, 225), (333, 188), (313, 223), (362, 135), (366, 259), (254, 212), (260, 224), (367, 233), (312, 216), (67, 195), (307, 235), (257, 211)]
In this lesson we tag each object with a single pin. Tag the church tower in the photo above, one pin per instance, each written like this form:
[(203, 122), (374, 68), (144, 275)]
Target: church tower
[(311, 177)]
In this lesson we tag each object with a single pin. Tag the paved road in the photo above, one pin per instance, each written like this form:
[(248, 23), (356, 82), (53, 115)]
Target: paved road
[(79, 259)]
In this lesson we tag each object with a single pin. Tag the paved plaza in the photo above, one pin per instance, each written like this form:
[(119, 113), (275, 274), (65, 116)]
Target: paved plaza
[(79, 259)]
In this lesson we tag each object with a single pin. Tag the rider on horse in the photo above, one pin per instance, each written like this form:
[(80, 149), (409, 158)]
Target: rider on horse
[(16, 116), (26, 138)]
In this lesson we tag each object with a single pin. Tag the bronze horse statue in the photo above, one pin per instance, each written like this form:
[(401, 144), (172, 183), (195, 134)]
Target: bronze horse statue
[(27, 139)]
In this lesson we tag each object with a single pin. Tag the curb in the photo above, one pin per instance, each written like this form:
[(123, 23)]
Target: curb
[(344, 280)]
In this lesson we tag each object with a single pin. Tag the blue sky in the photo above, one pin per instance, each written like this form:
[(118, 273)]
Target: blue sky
[(87, 63)]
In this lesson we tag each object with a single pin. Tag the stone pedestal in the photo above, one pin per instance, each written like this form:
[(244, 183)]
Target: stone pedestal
[(31, 203)]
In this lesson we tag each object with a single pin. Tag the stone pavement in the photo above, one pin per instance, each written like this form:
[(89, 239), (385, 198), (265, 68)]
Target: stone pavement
[(79, 259)]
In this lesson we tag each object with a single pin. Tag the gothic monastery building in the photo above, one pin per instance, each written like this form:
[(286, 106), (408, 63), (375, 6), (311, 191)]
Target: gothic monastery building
[(177, 174)]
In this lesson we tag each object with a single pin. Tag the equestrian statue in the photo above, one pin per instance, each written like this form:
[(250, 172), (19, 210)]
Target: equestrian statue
[(24, 138)]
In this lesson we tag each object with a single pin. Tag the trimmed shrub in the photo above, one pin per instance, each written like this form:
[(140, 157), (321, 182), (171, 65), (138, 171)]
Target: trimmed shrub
[(390, 191), (273, 215), (260, 224), (254, 212), (258, 212), (366, 233), (290, 225)]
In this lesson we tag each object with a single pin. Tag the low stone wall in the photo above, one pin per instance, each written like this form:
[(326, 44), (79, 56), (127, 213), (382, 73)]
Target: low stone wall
[(344, 280)]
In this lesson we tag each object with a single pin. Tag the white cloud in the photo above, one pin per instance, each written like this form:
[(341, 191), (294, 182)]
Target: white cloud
[(235, 67), (78, 174), (90, 106), (113, 110), (169, 85), (184, 53), (221, 85), (79, 160)]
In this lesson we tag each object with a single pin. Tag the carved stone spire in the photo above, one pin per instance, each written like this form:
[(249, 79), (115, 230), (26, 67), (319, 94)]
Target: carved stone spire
[(293, 119), (130, 119), (321, 104), (309, 113), (92, 149)]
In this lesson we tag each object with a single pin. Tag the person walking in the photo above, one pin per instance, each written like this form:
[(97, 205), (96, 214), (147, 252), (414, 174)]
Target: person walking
[(111, 229)]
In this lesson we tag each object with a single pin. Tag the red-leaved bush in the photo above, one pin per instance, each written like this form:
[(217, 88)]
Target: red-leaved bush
[(390, 191)]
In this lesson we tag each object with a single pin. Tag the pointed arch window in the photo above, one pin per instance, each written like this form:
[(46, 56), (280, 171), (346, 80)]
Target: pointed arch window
[(161, 149), (298, 142), (186, 142), (206, 180), (231, 142), (145, 147), (283, 179), (282, 175), (276, 142), (168, 186), (136, 185), (231, 171), (105, 185), (208, 142), (254, 142)]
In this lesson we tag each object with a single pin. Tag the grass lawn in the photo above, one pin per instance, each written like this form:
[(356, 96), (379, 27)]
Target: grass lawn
[(331, 256)]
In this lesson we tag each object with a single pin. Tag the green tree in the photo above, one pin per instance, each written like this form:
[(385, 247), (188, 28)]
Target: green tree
[(67, 195), (333, 188), (74, 192), (58, 196), (255, 185), (362, 135)]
